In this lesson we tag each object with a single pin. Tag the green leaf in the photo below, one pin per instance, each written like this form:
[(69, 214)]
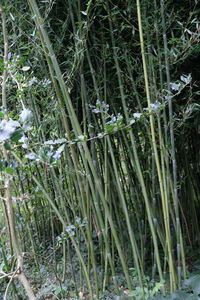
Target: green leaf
[(11, 114), (137, 292), (181, 295), (7, 146), (110, 128), (157, 287), (194, 283), (2, 164), (17, 135), (177, 295), (10, 171)]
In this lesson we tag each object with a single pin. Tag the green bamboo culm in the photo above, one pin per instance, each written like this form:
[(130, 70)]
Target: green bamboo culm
[(173, 280), (105, 185), (77, 130), (179, 247)]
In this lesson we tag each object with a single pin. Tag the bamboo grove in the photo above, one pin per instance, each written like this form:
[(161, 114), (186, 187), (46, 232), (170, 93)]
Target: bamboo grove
[(99, 139)]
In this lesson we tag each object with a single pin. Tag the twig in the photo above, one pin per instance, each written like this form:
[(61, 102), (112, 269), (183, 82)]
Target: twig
[(9, 283), (6, 275)]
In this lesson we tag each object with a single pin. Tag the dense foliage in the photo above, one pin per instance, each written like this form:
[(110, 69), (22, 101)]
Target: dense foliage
[(99, 157)]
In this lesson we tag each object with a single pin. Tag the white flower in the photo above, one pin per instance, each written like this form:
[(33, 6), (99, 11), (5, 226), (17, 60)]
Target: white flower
[(25, 146), (175, 86), (101, 107), (24, 140), (25, 115), (57, 154), (46, 82), (155, 106), (137, 115), (78, 220), (32, 81), (115, 119), (31, 156), (186, 78), (58, 141), (96, 110), (7, 128), (70, 230), (25, 68), (82, 137), (132, 121)]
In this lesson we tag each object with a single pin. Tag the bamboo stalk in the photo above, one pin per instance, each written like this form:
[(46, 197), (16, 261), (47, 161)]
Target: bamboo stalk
[(8, 189), (164, 201)]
